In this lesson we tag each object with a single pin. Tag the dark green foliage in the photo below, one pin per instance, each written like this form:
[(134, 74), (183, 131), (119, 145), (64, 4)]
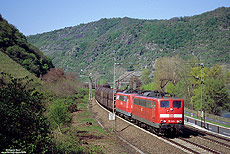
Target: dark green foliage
[(15, 45), (216, 97), (22, 123)]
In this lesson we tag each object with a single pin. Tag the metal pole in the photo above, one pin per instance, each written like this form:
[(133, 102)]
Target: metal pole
[(114, 78), (90, 88), (202, 90), (114, 86), (95, 83)]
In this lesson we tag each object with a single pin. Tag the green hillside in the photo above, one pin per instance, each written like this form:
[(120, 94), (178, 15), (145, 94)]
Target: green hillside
[(15, 45), (93, 46), (10, 66)]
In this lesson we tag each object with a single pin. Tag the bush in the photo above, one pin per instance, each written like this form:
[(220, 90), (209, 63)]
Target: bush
[(22, 124), (59, 114), (59, 83)]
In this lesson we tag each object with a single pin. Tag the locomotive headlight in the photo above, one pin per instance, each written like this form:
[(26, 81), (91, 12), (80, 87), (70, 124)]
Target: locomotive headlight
[(164, 121), (179, 121), (161, 121)]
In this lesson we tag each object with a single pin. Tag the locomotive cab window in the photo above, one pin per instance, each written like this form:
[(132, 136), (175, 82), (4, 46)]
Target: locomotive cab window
[(122, 98), (165, 104), (125, 99), (177, 104)]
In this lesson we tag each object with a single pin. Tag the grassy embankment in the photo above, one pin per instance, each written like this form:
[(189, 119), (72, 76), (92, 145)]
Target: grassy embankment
[(10, 66)]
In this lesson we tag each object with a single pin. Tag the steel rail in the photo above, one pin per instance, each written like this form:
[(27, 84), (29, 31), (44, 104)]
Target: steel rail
[(200, 146), (212, 140), (178, 144)]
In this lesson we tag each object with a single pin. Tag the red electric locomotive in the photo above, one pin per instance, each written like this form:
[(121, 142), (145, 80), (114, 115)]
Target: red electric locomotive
[(124, 104), (161, 114)]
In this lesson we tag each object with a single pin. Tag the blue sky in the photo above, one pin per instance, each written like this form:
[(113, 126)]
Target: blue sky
[(38, 16)]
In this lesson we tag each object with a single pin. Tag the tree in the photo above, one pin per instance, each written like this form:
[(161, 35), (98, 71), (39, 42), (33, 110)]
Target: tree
[(145, 76), (215, 72), (167, 70), (227, 79), (22, 124), (215, 95), (150, 86), (195, 77), (134, 82)]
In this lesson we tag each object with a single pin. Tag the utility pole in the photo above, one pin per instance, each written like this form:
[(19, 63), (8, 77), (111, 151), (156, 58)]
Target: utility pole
[(95, 83), (114, 96), (202, 90), (90, 87)]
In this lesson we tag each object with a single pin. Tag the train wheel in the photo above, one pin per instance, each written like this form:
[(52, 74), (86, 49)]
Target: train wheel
[(139, 124), (181, 131), (136, 122), (157, 131), (177, 132), (151, 129)]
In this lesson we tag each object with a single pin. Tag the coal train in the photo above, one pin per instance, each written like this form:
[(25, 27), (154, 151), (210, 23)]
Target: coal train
[(158, 112)]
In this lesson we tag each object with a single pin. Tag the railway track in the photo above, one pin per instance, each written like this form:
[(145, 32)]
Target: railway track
[(187, 144), (197, 147), (216, 143), (209, 136), (191, 146)]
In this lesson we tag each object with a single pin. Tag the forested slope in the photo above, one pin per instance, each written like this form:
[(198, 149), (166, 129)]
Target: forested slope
[(15, 45), (94, 46)]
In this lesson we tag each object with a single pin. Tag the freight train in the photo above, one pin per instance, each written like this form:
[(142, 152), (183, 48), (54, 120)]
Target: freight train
[(156, 111)]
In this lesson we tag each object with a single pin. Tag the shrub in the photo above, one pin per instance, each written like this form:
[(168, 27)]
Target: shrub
[(22, 124), (59, 114)]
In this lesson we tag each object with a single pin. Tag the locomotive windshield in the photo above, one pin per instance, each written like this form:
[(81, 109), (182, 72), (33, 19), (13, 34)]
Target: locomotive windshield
[(165, 104), (122, 98), (176, 104)]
